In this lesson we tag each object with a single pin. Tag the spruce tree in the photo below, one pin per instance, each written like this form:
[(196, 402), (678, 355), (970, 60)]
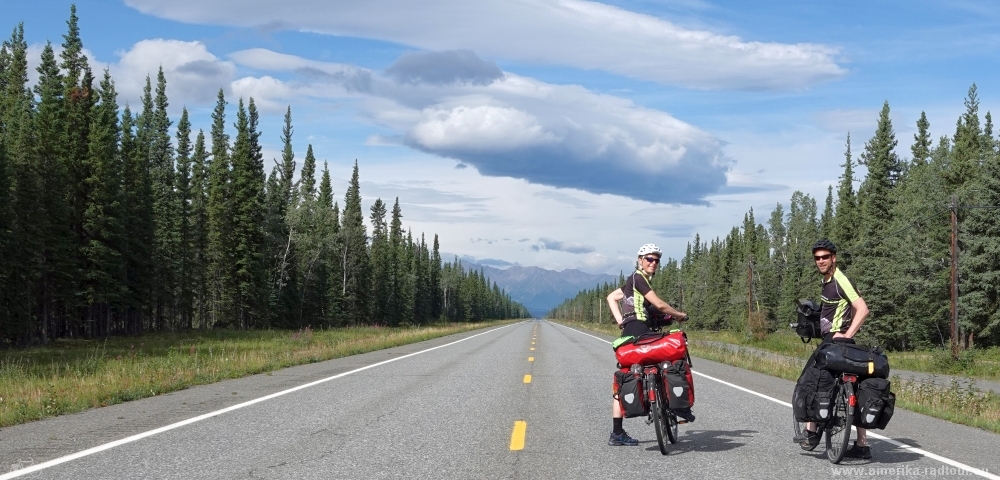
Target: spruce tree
[(980, 264), (921, 148), (165, 203), (846, 220), (872, 256), (185, 223), (103, 227), (198, 230), (59, 262), (138, 210), (381, 265), (356, 264), (248, 220), (221, 256)]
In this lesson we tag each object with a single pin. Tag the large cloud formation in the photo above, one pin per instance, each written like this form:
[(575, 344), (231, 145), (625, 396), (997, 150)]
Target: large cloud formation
[(573, 33), (512, 126)]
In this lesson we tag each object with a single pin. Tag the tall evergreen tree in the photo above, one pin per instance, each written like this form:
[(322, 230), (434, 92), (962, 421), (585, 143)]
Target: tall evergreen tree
[(103, 227), (248, 208), (165, 203), (921, 148), (185, 223), (356, 275), (221, 256), (873, 254), (846, 221), (198, 230), (381, 266), (138, 210)]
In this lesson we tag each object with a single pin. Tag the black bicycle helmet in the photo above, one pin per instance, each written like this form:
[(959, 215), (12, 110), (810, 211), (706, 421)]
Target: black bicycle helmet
[(824, 244)]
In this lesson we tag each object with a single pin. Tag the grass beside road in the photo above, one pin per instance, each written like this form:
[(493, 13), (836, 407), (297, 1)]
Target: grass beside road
[(964, 404), (70, 376)]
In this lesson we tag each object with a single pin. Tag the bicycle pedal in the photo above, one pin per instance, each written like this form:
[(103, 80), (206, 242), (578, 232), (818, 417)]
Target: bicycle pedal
[(649, 421)]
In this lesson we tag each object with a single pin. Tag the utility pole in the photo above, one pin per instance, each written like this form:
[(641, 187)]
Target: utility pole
[(749, 289), (954, 276)]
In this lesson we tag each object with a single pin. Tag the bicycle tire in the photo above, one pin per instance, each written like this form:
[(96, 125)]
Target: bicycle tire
[(800, 427), (838, 431), (657, 409), (672, 433)]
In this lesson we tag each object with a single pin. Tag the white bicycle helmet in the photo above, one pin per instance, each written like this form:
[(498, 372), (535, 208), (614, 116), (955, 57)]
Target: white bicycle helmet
[(650, 248)]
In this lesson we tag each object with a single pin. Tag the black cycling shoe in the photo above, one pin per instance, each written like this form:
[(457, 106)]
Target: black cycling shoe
[(808, 440), (622, 439), (855, 451), (685, 413)]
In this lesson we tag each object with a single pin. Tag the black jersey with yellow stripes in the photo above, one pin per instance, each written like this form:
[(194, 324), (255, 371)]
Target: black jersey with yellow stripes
[(838, 295), (635, 289)]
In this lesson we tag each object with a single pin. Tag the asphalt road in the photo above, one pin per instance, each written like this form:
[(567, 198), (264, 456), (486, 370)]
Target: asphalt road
[(454, 412)]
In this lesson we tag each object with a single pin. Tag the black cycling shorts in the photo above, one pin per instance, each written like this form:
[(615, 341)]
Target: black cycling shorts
[(634, 328)]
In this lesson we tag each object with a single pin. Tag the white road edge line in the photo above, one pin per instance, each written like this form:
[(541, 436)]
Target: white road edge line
[(140, 436), (895, 442)]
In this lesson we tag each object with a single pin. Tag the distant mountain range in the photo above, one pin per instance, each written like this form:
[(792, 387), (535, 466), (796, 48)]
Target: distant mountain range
[(539, 289)]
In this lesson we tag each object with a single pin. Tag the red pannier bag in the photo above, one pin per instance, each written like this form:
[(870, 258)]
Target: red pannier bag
[(652, 349)]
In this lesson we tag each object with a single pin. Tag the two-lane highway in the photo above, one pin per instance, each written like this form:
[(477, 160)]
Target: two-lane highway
[(529, 400)]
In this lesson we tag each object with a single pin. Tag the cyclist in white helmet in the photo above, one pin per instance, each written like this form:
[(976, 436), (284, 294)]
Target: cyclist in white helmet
[(640, 302)]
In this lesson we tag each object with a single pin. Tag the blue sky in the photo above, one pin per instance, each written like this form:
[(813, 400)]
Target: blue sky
[(562, 134)]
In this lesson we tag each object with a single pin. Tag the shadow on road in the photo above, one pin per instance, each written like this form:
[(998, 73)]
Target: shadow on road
[(882, 452), (708, 441)]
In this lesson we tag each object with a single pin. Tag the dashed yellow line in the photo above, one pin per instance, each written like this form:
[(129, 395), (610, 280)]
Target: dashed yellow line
[(532, 343), (527, 379), (517, 436), (531, 359), (532, 348)]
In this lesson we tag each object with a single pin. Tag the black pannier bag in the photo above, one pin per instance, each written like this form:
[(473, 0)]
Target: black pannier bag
[(677, 379), (807, 326), (876, 403), (630, 394), (813, 395), (855, 359)]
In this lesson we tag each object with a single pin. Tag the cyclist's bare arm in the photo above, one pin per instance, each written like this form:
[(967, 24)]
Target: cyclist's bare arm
[(613, 299), (860, 314), (665, 307)]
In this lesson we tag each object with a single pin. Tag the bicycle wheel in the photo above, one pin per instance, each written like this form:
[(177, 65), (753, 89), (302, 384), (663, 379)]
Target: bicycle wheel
[(657, 410), (671, 423), (838, 429), (800, 427)]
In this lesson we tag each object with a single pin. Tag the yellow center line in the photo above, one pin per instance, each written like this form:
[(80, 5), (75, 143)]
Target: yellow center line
[(531, 359), (532, 348), (527, 379), (532, 343), (517, 436)]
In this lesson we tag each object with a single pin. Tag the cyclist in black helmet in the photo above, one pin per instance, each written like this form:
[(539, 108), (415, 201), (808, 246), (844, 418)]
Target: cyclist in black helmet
[(640, 303), (843, 313)]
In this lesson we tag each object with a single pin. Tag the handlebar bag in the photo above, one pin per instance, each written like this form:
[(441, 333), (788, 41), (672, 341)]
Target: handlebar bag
[(630, 394), (876, 403), (679, 384), (652, 349), (808, 325), (850, 358)]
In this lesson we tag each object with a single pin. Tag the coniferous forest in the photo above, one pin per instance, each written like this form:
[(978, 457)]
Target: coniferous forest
[(117, 221), (893, 233)]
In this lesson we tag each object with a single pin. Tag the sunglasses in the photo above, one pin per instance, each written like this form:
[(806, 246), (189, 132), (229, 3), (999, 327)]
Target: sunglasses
[(651, 259), (822, 257)]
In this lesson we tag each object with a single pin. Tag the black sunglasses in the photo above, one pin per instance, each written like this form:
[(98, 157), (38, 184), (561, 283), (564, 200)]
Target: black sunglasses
[(822, 257), (652, 259)]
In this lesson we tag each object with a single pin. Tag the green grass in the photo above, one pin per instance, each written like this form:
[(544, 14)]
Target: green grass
[(72, 375), (964, 404)]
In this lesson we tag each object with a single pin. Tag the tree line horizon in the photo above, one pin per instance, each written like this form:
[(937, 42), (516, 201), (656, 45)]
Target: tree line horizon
[(893, 236), (110, 225)]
